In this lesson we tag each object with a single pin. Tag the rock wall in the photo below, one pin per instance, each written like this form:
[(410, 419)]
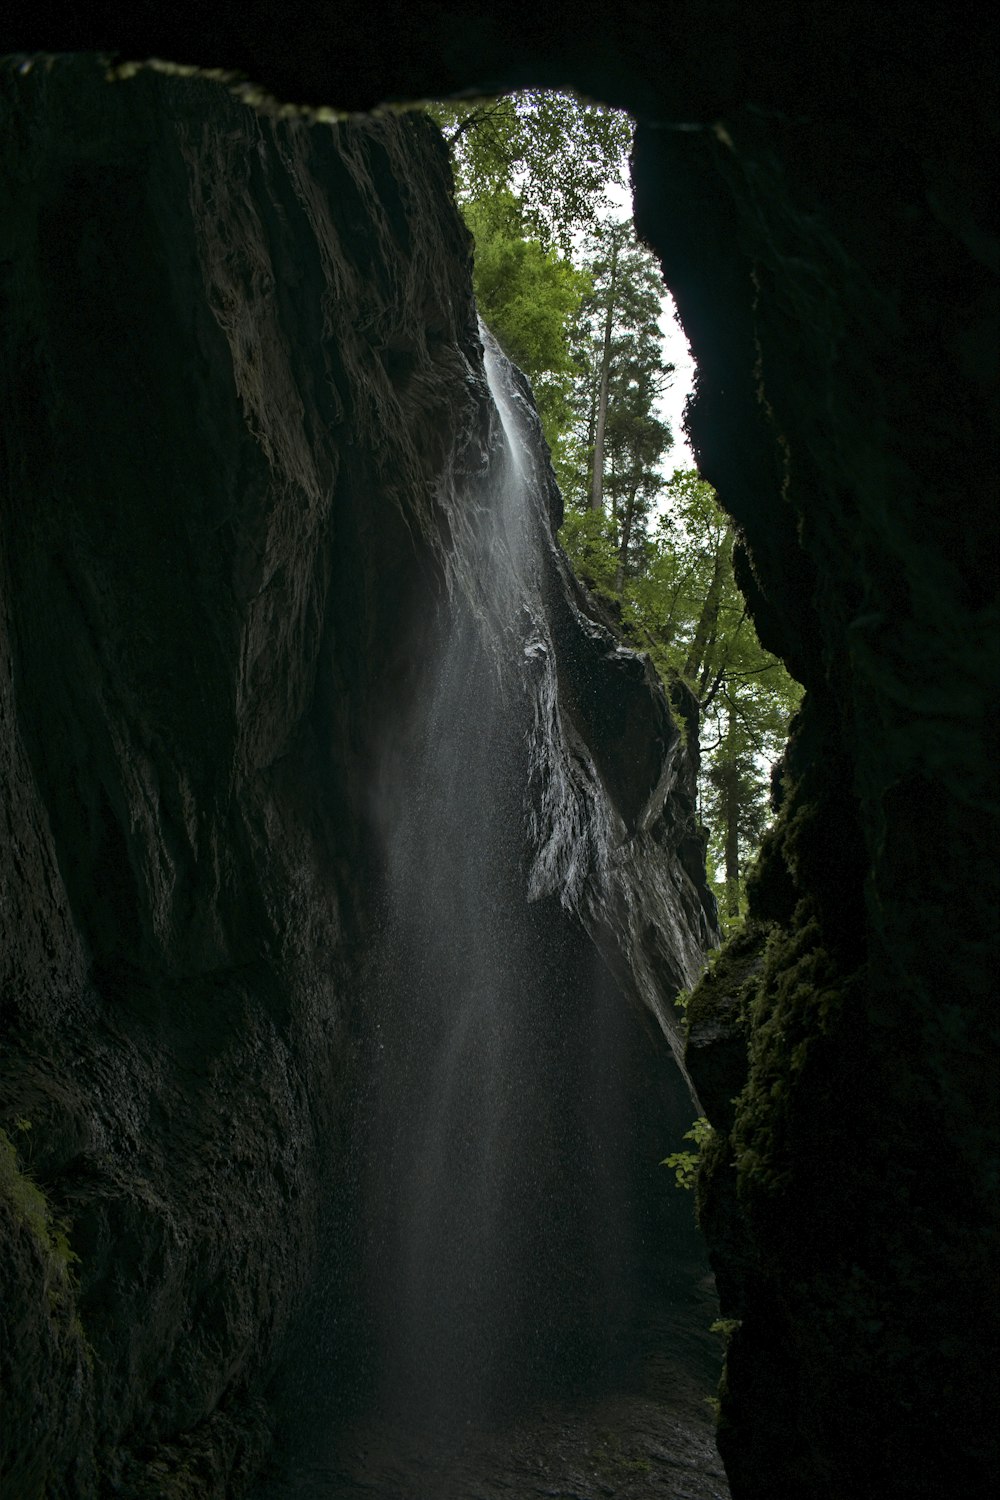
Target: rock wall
[(841, 300), (243, 370), (235, 351)]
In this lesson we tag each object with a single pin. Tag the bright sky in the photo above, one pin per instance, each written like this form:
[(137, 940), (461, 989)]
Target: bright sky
[(675, 351)]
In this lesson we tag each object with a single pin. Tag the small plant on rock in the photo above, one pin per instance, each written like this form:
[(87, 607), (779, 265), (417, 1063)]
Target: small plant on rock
[(685, 1163)]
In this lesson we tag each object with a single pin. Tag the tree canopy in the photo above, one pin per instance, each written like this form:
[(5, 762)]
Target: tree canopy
[(575, 301), (559, 153), (530, 296), (620, 374)]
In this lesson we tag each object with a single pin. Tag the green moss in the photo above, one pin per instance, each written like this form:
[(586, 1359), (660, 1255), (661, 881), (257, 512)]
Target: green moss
[(761, 1026), (730, 981), (31, 1209), (798, 996)]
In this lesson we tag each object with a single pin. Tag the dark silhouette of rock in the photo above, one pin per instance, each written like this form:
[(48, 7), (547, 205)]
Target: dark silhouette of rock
[(246, 429)]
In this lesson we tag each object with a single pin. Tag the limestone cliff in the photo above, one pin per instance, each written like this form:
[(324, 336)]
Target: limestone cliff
[(242, 372)]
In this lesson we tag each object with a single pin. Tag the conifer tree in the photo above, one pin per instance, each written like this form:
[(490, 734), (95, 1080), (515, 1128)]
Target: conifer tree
[(622, 373)]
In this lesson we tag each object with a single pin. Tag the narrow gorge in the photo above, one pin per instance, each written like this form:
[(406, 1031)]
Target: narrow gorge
[(350, 864), (367, 846)]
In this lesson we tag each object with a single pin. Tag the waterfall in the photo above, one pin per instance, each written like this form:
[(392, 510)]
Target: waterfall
[(500, 1242), (497, 1154)]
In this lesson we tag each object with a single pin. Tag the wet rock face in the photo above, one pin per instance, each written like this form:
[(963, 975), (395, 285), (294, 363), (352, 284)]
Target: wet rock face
[(243, 369)]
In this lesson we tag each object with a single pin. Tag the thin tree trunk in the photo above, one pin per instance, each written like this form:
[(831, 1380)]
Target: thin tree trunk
[(731, 815), (709, 617), (732, 854), (597, 481), (626, 538)]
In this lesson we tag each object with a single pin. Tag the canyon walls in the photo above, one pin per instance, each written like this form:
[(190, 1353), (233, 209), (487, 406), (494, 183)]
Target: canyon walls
[(247, 436), (845, 1048), (819, 185), (191, 471)]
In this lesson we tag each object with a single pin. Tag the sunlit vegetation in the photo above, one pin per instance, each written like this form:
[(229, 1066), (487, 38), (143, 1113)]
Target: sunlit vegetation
[(577, 302)]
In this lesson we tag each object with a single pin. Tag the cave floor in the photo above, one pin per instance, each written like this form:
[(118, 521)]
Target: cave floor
[(619, 1447), (650, 1434)]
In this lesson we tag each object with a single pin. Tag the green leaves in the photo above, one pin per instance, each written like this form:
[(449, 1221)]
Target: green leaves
[(591, 544), (682, 606), (685, 1163), (530, 296), (559, 154)]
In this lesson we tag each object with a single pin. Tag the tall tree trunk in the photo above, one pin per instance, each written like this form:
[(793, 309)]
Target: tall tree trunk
[(597, 481), (731, 817), (626, 538), (708, 620), (732, 854)]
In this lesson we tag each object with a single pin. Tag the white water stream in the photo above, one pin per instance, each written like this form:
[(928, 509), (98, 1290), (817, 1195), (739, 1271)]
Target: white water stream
[(491, 1179), (501, 1245)]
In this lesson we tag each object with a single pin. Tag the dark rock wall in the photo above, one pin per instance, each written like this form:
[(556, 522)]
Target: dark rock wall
[(840, 301), (233, 358), (243, 382)]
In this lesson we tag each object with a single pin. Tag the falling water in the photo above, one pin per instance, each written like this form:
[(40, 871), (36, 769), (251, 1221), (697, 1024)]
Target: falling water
[(494, 1185), (498, 1242)]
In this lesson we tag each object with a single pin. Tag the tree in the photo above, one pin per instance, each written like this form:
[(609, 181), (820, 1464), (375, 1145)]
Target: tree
[(734, 797), (575, 302), (606, 281), (685, 609), (531, 174), (703, 634), (619, 353), (530, 297), (636, 441), (559, 154)]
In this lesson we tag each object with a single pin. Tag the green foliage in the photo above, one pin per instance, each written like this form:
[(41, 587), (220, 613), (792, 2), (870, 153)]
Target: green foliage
[(570, 296), (530, 297), (527, 294), (575, 301), (588, 537), (30, 1207), (797, 997), (726, 1326), (681, 604), (685, 1163), (557, 152), (621, 440)]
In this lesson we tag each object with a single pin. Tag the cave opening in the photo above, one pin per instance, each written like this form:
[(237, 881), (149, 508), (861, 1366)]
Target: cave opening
[(578, 303), (827, 239)]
